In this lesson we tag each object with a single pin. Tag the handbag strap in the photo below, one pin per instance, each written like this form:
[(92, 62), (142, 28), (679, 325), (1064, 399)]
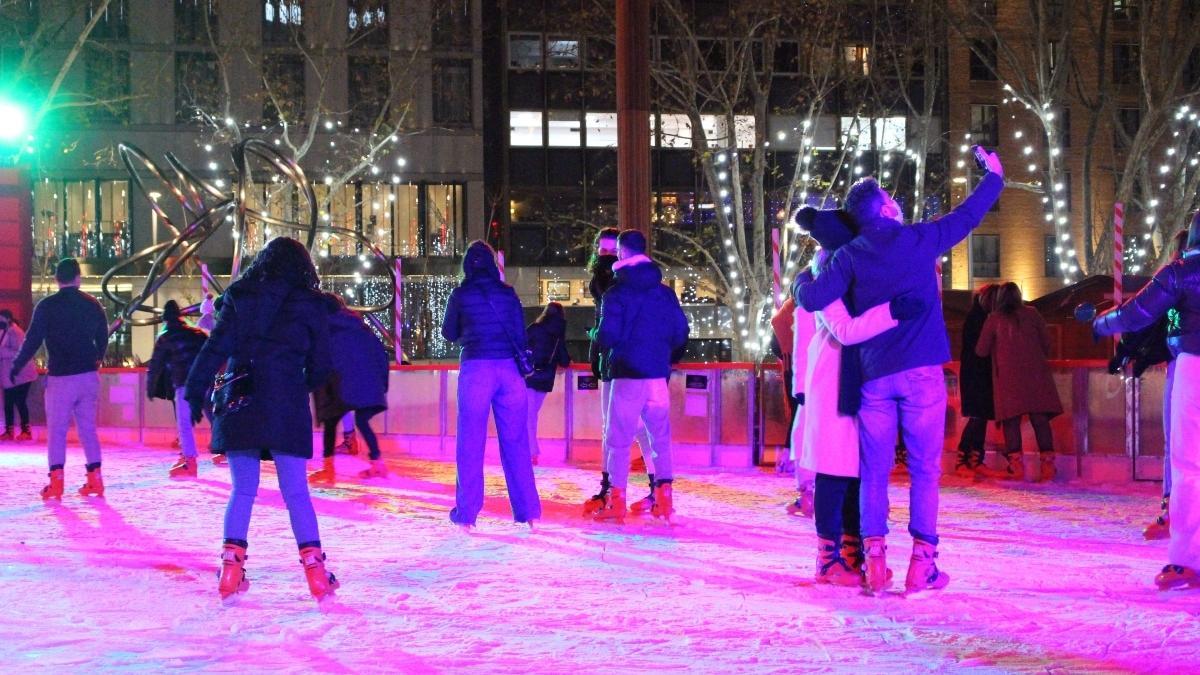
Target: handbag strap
[(504, 326)]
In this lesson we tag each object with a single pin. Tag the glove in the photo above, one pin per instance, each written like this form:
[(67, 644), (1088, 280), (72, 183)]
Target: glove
[(800, 398), (906, 307), (196, 406), (1116, 364)]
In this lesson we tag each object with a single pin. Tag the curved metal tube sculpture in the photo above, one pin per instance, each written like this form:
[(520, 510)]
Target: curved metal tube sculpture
[(205, 208)]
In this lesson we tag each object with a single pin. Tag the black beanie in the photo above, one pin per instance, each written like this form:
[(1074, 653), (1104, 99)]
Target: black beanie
[(830, 227)]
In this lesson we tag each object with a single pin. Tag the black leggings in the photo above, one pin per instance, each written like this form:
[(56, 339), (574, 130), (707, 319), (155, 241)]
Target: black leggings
[(1041, 431), (836, 506), (362, 421), (15, 397), (974, 434)]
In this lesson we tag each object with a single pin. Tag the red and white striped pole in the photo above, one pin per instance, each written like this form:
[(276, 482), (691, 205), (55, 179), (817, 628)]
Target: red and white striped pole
[(500, 264), (1118, 251), (777, 296), (398, 315)]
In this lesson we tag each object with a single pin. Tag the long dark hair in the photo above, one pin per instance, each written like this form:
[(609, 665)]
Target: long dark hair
[(552, 313), (985, 298), (479, 262), (284, 259), (1008, 298), (604, 233)]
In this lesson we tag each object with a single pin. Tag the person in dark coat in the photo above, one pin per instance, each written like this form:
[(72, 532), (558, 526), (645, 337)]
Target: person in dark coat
[(174, 351), (359, 385), (975, 388), (483, 316), (642, 331), (273, 330), (548, 342), (1016, 338)]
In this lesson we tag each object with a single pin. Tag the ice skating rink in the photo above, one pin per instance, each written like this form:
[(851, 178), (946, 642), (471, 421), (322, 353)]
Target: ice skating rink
[(1043, 578)]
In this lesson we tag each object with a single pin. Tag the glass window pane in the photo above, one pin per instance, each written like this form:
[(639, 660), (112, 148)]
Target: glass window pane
[(563, 127), (562, 53), (444, 218), (525, 128), (601, 130), (676, 131), (525, 50)]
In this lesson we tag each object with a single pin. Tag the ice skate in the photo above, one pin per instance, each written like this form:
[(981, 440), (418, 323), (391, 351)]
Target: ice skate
[(220, 460), (852, 553), (1046, 468), (7, 435), (614, 507), (321, 583), (1160, 527), (595, 503), (803, 506), (184, 467), (349, 445), (664, 501), (55, 489), (232, 579), (877, 577), (923, 573), (325, 475), (1176, 576), (637, 464), (94, 487), (26, 434), (1014, 468), (645, 504), (377, 469), (966, 467), (832, 568)]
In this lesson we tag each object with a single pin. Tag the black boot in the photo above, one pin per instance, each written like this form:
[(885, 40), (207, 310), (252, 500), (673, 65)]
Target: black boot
[(596, 502)]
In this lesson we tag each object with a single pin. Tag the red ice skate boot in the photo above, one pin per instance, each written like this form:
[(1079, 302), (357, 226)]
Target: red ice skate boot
[(1014, 467), (325, 476), (595, 503), (645, 504), (219, 459), (832, 568), (1161, 527), (184, 467), (1046, 468), (232, 578), (1176, 576), (349, 445), (614, 507), (55, 489), (321, 583), (852, 553), (26, 434), (664, 501), (877, 577), (377, 469), (637, 464), (804, 505), (7, 435), (923, 573), (94, 487)]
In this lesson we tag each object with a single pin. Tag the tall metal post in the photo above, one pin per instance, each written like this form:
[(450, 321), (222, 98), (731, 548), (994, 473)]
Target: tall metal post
[(633, 115)]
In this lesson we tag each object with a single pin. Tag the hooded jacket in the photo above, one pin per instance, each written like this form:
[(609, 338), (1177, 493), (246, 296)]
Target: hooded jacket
[(282, 333), (548, 342), (360, 365), (174, 351), (1174, 287), (602, 280), (887, 260), (642, 329)]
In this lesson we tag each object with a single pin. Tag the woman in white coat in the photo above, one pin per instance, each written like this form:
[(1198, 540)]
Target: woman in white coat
[(830, 439), (16, 385)]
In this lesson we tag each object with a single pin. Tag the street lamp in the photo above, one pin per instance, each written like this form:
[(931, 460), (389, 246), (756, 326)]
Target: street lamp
[(14, 121)]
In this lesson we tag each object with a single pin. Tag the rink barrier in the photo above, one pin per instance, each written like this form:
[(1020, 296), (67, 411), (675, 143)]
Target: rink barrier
[(722, 415)]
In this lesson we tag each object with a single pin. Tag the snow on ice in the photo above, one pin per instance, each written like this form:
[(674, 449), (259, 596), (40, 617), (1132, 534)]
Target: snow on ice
[(1043, 578)]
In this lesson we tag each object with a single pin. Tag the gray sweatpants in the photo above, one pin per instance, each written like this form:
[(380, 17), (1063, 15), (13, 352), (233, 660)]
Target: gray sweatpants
[(67, 397), (631, 402)]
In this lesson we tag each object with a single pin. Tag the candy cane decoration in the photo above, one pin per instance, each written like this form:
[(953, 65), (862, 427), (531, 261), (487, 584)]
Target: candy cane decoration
[(778, 295), (500, 264), (1118, 251), (398, 315)]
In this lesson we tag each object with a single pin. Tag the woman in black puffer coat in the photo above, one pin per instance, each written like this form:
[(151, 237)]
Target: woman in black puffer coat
[(548, 342), (174, 351), (273, 324)]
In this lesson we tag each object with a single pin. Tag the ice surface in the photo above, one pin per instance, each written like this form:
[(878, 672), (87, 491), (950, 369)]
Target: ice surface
[(1043, 578)]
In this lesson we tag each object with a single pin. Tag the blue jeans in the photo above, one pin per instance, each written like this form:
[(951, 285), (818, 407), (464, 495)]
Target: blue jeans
[(914, 400), (244, 468), (635, 407), (493, 385), (1167, 428), (183, 424), (72, 397)]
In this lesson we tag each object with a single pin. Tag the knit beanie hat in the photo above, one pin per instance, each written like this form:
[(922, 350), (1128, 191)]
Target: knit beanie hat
[(830, 227)]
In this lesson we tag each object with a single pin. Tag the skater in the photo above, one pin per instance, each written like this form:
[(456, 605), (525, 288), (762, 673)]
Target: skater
[(548, 342), (601, 266), (642, 331), (174, 351), (359, 386), (903, 384), (830, 442), (793, 330), (75, 330), (1175, 289), (208, 314), (1016, 339), (1140, 350), (272, 336), (349, 444), (16, 385), (975, 385), (483, 315)]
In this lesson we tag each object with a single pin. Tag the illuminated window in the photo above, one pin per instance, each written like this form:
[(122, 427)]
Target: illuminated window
[(525, 128), (601, 129), (86, 219), (563, 128), (858, 59)]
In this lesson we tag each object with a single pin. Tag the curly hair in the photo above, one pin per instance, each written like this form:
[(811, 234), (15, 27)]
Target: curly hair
[(284, 259), (863, 200)]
